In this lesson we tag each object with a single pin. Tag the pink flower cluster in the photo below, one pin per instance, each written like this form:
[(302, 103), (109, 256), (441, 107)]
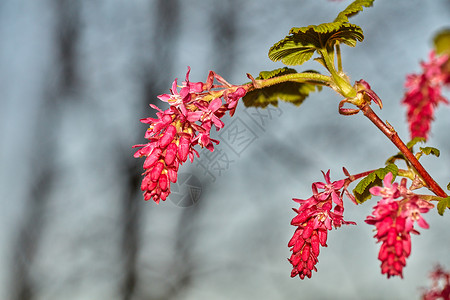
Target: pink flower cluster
[(315, 217), (187, 122), (424, 94), (394, 221), (440, 287)]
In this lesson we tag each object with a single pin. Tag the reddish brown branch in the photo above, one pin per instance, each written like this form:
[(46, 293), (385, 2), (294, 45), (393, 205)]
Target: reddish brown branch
[(393, 136)]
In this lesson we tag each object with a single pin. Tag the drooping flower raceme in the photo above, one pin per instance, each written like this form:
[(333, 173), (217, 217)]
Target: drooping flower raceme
[(315, 217), (424, 94), (193, 112), (394, 217)]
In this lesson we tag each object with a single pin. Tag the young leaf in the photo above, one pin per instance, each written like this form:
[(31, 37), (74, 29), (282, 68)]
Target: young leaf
[(276, 72), (293, 92), (302, 42), (353, 9), (361, 191), (300, 45), (414, 141), (430, 150), (410, 145), (442, 205)]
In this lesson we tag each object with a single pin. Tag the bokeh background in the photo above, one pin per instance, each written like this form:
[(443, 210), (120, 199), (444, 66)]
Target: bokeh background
[(76, 77)]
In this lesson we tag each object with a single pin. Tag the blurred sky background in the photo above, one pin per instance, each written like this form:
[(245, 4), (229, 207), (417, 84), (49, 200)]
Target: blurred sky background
[(76, 77)]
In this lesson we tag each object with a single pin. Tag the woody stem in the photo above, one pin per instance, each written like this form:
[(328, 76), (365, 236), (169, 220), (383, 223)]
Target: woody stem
[(395, 139)]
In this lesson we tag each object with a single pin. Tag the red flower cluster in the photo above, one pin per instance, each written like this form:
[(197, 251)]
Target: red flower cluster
[(187, 122), (315, 217), (424, 94), (440, 288), (394, 221)]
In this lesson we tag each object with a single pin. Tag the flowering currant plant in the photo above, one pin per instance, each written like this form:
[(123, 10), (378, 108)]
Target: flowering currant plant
[(195, 108)]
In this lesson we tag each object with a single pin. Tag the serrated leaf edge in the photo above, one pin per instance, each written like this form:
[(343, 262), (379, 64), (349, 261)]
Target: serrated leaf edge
[(442, 205), (352, 9), (430, 150), (414, 141), (380, 173)]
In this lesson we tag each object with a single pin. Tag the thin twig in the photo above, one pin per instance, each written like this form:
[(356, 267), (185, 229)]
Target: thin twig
[(393, 136)]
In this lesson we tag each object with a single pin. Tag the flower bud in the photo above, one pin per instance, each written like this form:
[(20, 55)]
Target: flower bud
[(172, 174), (168, 136), (183, 148), (171, 154), (163, 182), (156, 171), (152, 158)]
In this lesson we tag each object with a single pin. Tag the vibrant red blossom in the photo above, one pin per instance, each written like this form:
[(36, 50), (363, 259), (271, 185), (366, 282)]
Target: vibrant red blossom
[(193, 110), (394, 220), (424, 94), (314, 218), (440, 287)]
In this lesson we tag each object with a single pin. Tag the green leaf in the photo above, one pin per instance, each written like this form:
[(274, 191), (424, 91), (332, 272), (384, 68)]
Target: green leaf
[(293, 92), (300, 46), (361, 191), (410, 145), (301, 43), (414, 141), (442, 205), (275, 73), (442, 41), (430, 150), (353, 9), (448, 186)]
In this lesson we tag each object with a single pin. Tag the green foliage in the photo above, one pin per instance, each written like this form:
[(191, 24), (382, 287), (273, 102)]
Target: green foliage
[(442, 205), (353, 9), (442, 41), (448, 186), (300, 45), (361, 191), (410, 145), (293, 92), (430, 150), (423, 150), (414, 141), (275, 73)]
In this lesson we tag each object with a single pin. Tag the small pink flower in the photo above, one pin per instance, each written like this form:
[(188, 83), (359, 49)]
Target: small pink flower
[(210, 112), (389, 191), (413, 209), (232, 99), (331, 188), (187, 90)]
